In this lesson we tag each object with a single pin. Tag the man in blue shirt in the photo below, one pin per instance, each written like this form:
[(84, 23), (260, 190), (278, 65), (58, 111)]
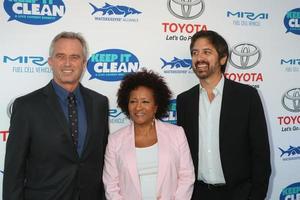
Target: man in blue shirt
[(52, 154)]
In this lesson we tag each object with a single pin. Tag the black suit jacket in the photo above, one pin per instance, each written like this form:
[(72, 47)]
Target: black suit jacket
[(41, 162), (243, 138)]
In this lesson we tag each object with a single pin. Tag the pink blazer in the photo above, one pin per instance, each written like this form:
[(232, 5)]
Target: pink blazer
[(175, 177)]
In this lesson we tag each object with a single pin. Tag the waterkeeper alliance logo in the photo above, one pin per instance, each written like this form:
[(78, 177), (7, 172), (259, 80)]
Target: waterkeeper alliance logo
[(290, 153), (172, 113), (245, 56), (292, 21), (35, 12), (115, 13), (291, 192), (241, 18), (290, 64), (177, 66), (27, 63), (112, 64), (291, 102)]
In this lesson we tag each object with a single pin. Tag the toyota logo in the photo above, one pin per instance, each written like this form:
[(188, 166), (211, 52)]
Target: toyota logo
[(245, 56), (186, 9), (9, 108), (291, 100)]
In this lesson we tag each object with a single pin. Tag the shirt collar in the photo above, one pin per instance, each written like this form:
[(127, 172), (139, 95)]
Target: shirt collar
[(63, 94), (218, 88)]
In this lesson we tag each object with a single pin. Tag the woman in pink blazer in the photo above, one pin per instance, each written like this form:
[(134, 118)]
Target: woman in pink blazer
[(149, 159)]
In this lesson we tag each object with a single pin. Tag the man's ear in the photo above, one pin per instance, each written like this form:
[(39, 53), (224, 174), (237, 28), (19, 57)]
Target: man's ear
[(223, 60)]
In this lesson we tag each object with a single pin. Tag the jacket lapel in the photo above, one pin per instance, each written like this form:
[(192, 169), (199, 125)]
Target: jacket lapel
[(55, 108), (225, 109), (88, 105), (130, 158), (56, 111), (193, 109), (195, 112), (163, 145)]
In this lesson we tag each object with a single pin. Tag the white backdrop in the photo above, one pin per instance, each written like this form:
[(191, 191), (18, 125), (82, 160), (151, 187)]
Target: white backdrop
[(124, 36)]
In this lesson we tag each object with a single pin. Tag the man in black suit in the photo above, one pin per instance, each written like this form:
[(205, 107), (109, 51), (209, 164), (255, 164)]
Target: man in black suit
[(46, 157), (225, 126)]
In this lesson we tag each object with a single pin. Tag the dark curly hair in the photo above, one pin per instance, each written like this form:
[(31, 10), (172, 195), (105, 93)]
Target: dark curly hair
[(148, 79)]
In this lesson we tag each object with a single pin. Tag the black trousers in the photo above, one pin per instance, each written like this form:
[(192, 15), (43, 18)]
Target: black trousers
[(203, 191)]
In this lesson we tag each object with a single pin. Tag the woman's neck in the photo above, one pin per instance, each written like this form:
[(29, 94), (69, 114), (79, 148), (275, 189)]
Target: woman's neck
[(145, 135)]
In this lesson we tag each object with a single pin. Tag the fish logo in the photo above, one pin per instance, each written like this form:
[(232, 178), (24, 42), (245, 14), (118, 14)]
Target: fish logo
[(108, 9), (291, 151), (177, 63)]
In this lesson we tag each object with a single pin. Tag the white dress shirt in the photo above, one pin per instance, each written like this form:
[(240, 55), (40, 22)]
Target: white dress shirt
[(209, 166)]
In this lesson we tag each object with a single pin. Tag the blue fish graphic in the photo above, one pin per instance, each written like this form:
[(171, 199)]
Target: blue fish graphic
[(117, 10), (178, 63), (291, 151)]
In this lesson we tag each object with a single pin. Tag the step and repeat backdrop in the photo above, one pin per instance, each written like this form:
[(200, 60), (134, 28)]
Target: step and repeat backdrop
[(125, 36)]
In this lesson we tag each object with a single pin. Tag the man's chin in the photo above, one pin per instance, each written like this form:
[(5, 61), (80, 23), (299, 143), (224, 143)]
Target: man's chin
[(202, 75)]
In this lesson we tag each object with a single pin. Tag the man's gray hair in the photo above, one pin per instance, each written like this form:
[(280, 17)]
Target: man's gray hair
[(70, 35)]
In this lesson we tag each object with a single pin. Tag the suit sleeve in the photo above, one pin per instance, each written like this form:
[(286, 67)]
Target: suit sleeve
[(106, 121), (16, 152), (186, 174), (106, 132), (179, 111), (261, 165), (110, 172)]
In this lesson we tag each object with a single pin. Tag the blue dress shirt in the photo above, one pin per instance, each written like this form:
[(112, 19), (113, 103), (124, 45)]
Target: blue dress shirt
[(82, 122)]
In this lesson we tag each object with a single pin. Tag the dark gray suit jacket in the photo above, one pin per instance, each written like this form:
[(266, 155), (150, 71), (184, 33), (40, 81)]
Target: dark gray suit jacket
[(243, 137), (41, 162)]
